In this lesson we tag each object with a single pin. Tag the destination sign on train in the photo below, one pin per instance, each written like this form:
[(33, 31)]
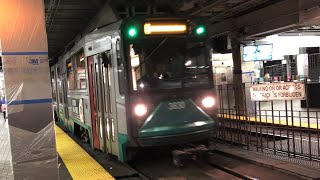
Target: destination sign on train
[(159, 27), (277, 91)]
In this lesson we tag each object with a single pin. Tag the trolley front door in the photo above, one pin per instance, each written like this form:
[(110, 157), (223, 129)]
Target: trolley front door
[(109, 107), (93, 75)]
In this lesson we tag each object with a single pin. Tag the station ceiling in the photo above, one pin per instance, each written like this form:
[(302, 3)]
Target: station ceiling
[(65, 19)]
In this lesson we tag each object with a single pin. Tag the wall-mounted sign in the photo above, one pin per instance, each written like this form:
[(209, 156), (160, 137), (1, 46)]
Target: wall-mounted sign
[(277, 91)]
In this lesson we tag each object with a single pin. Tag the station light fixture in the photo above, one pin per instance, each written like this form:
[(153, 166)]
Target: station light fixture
[(200, 30), (132, 32)]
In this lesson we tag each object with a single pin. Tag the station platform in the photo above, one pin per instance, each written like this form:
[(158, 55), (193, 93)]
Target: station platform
[(281, 113), (78, 162), (74, 161), (276, 121)]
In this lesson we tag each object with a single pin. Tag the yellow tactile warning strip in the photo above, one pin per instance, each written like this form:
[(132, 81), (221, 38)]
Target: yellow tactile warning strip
[(79, 163), (275, 121)]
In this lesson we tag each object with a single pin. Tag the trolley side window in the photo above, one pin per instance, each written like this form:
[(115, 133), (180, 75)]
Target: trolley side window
[(59, 83), (121, 69), (80, 71), (70, 74)]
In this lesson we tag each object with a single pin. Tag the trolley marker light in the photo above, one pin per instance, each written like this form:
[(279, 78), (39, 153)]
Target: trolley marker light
[(132, 32), (200, 30), (163, 28), (208, 102)]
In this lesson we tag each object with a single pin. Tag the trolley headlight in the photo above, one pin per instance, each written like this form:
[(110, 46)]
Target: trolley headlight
[(140, 110), (208, 102)]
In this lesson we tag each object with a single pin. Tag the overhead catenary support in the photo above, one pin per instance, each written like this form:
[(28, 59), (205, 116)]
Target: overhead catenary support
[(24, 51), (282, 16), (52, 10)]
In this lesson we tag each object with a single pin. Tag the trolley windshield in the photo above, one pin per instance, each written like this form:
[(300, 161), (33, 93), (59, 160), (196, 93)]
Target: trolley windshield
[(169, 63)]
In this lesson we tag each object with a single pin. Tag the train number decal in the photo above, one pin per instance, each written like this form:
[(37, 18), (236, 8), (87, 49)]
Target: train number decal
[(177, 105)]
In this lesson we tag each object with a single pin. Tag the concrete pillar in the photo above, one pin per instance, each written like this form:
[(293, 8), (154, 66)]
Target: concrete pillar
[(237, 74), (28, 90)]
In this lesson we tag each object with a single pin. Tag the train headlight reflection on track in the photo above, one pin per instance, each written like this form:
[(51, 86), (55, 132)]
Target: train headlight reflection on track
[(208, 102), (140, 110)]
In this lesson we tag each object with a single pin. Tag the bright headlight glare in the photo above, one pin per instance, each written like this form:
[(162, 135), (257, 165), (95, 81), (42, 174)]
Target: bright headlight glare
[(208, 102), (140, 110)]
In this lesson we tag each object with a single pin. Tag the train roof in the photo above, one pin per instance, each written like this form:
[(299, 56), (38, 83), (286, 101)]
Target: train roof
[(98, 33), (103, 31)]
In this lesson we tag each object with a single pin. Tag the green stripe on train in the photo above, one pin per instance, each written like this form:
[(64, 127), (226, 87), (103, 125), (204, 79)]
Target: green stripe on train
[(122, 139)]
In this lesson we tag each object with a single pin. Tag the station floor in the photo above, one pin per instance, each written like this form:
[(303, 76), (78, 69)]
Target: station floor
[(5, 156), (74, 162)]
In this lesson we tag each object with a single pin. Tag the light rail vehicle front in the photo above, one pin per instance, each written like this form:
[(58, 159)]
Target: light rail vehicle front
[(136, 83)]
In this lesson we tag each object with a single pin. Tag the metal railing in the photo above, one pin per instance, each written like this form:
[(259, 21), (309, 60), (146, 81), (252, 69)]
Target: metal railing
[(279, 128)]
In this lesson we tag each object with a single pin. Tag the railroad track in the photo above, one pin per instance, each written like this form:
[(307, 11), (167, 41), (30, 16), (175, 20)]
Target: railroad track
[(230, 171), (151, 167), (226, 171), (143, 175), (217, 166)]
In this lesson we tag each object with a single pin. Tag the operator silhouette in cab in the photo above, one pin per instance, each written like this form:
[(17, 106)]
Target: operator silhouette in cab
[(161, 72)]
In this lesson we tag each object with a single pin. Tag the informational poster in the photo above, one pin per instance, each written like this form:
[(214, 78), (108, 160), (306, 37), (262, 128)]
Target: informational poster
[(223, 77), (77, 109), (81, 110), (277, 91)]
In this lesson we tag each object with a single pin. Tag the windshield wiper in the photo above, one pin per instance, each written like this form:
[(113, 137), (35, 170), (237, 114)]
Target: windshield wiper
[(156, 48), (153, 51)]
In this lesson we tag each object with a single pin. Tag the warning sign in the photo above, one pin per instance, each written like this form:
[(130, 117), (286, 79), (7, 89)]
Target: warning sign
[(277, 91)]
